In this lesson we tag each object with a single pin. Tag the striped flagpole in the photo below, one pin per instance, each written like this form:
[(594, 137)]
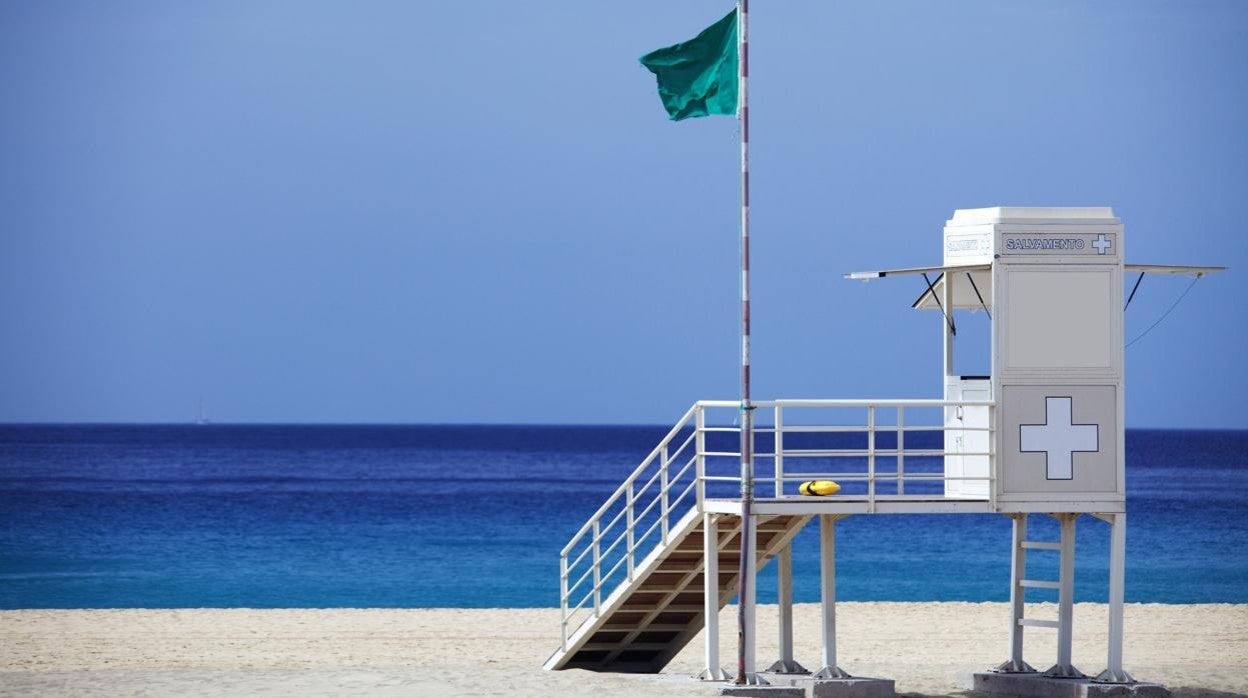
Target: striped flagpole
[(745, 629)]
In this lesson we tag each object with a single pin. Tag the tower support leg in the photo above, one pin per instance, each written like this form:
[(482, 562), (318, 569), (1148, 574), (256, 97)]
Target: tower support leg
[(710, 597), (1066, 601), (1018, 571), (827, 572), (784, 592), (1117, 578)]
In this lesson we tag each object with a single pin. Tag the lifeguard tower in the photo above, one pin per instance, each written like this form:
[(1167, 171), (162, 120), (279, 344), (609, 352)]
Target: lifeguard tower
[(1042, 433)]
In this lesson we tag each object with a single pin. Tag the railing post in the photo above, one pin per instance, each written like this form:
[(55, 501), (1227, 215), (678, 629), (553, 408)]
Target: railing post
[(629, 532), (597, 568), (778, 447), (663, 491), (563, 602), (901, 449), (871, 458), (700, 445)]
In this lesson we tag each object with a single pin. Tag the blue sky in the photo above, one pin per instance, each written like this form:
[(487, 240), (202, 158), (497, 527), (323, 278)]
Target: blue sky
[(477, 211)]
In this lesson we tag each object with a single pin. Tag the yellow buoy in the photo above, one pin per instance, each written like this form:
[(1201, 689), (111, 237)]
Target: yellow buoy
[(819, 488)]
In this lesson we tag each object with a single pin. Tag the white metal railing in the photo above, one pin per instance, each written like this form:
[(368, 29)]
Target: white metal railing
[(633, 521), (861, 444)]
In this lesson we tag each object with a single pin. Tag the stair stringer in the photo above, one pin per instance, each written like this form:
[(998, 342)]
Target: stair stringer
[(675, 536), (771, 539)]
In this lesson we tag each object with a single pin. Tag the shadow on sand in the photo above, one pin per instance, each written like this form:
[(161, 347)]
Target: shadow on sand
[(1176, 692)]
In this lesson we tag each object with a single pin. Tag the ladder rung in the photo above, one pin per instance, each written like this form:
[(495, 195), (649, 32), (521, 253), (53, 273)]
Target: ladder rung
[(1039, 584), (1041, 545), (1028, 622)]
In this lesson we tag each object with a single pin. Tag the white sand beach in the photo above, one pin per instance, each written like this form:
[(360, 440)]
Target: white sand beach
[(928, 648)]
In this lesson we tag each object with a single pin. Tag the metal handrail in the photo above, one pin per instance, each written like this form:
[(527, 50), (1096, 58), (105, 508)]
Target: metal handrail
[(630, 479), (671, 470), (873, 453), (759, 404)]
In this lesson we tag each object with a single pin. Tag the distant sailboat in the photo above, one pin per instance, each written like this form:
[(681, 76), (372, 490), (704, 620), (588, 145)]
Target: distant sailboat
[(202, 419)]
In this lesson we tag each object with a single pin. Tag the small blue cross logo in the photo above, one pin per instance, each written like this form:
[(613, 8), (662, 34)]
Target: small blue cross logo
[(1101, 243)]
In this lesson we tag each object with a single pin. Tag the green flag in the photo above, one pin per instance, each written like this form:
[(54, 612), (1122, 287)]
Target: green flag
[(699, 76)]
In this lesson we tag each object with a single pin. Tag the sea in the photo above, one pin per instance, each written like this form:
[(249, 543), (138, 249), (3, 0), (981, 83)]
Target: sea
[(178, 516)]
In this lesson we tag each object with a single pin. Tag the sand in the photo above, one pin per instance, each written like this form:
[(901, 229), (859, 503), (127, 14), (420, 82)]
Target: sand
[(928, 648)]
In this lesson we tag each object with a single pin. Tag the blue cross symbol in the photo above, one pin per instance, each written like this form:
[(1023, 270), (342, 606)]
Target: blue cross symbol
[(1101, 244)]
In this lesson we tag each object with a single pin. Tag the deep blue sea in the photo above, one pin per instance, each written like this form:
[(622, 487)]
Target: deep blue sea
[(475, 516)]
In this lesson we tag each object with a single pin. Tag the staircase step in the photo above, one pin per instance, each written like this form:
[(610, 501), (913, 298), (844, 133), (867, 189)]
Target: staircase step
[(632, 646), (646, 621), (653, 627), (670, 608)]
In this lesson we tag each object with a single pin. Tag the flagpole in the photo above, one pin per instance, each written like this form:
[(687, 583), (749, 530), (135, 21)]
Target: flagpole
[(745, 617)]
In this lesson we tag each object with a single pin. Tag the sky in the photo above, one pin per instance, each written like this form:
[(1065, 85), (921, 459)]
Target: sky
[(478, 212)]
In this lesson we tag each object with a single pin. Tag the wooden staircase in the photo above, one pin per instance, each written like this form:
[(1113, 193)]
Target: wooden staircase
[(645, 622)]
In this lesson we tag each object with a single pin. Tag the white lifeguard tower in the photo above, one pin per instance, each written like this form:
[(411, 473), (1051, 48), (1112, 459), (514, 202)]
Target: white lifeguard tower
[(1042, 433)]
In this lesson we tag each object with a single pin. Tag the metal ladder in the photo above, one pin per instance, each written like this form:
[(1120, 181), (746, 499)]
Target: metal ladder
[(1065, 587)]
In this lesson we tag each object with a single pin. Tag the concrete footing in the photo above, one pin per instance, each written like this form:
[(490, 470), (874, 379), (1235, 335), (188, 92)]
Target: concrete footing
[(1041, 686), (763, 691), (788, 685), (854, 687)]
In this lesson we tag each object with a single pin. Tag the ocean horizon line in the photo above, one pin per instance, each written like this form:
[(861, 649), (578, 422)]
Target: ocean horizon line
[(540, 425)]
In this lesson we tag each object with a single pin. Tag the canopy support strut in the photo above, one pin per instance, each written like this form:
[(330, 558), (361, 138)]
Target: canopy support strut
[(982, 304), (1134, 288), (953, 329)]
